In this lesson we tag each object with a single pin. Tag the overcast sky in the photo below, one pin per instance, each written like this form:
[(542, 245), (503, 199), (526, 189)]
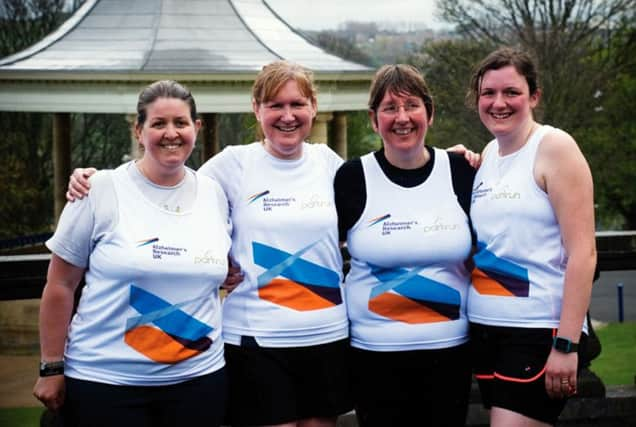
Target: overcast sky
[(328, 14)]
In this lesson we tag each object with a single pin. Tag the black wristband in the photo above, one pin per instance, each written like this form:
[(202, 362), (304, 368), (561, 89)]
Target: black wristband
[(564, 345), (48, 369)]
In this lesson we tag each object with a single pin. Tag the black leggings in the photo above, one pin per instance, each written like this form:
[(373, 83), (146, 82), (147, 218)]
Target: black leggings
[(411, 388), (200, 401)]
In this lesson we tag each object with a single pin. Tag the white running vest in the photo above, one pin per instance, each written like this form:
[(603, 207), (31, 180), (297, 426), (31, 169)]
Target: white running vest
[(150, 312), (408, 283), (285, 239), (520, 263)]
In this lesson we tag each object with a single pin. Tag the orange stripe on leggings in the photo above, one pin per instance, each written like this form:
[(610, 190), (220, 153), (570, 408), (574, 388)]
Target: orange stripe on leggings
[(520, 380)]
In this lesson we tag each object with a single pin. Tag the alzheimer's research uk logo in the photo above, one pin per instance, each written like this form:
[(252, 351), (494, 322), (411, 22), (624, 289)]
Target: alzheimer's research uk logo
[(270, 203), (389, 227), (257, 196), (145, 242), (494, 193), (378, 220), (159, 251)]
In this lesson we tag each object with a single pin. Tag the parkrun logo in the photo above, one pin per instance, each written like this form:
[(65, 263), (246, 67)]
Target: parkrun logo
[(438, 225), (208, 258), (503, 193), (314, 202)]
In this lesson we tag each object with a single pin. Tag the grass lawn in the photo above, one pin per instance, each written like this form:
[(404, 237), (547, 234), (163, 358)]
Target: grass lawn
[(20, 417), (616, 364)]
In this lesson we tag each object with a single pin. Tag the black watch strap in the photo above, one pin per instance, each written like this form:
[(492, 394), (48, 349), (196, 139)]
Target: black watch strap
[(48, 369), (564, 345)]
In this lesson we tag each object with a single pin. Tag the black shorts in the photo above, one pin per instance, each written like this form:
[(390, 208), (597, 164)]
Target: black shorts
[(411, 388), (280, 385), (197, 402), (509, 364)]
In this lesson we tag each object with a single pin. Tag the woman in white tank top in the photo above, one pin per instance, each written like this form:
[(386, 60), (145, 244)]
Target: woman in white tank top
[(532, 211)]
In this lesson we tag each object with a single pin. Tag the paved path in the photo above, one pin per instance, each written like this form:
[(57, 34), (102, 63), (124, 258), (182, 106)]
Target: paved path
[(604, 305), (17, 377)]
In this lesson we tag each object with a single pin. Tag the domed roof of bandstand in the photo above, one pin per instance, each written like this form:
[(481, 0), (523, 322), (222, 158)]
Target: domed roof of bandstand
[(101, 56)]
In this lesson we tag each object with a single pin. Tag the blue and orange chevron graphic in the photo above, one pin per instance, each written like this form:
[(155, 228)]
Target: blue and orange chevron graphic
[(293, 282), (163, 332), (405, 296), (496, 276)]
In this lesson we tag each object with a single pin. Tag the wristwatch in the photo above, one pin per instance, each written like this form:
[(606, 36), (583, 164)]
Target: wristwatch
[(564, 345), (48, 369)]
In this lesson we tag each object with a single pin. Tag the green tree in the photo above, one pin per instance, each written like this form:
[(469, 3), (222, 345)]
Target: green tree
[(446, 65), (586, 51), (25, 22), (25, 199)]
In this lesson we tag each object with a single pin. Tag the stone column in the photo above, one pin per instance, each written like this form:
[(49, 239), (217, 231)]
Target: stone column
[(319, 131), (209, 136), (61, 160), (338, 137)]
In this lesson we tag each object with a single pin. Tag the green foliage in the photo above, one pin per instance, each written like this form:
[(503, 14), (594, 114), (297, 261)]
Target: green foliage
[(586, 54), (609, 140), (100, 140), (616, 365), (23, 23), (446, 65), (25, 206), (360, 136), (25, 202)]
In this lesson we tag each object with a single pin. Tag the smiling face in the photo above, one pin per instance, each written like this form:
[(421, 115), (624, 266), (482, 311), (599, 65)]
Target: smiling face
[(504, 102), (168, 135), (286, 120), (402, 121)]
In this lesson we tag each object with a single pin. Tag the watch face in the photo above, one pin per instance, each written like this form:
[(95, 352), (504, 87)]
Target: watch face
[(564, 345)]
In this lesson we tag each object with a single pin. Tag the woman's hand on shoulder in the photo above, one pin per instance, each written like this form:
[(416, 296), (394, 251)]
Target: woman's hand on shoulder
[(474, 159), (78, 185)]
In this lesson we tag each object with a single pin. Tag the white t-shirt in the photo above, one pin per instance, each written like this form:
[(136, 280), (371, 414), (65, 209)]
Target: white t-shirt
[(285, 240), (150, 312)]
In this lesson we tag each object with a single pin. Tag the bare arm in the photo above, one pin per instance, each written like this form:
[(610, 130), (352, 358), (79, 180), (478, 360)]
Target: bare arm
[(562, 171), (56, 309)]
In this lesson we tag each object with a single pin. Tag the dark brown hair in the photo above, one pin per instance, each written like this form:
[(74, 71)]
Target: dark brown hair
[(163, 89), (502, 57), (399, 79)]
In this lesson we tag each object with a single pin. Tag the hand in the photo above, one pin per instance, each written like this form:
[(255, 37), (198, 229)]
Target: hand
[(51, 391), (560, 374), (474, 159), (78, 184), (233, 279)]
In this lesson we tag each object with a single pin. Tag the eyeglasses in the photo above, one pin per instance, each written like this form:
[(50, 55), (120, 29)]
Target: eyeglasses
[(394, 109)]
